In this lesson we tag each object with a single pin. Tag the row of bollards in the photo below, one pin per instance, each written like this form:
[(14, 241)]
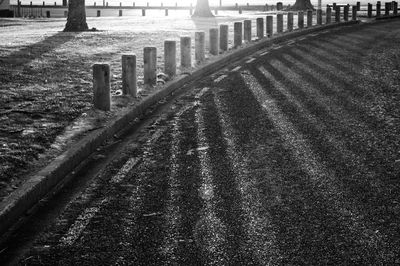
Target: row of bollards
[(218, 41)]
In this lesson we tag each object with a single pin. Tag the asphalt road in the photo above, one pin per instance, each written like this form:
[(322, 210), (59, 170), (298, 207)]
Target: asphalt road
[(289, 158)]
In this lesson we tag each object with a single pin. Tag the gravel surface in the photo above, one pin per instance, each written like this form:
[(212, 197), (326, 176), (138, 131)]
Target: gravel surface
[(293, 159)]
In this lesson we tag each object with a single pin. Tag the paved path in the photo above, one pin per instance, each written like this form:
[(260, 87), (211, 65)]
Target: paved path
[(287, 158)]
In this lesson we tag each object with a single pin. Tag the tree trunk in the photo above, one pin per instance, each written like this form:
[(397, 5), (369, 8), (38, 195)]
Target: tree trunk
[(202, 9), (76, 16), (301, 5)]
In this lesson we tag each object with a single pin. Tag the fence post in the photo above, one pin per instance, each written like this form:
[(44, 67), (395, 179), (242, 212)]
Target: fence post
[(354, 13), (170, 58), (260, 28), (369, 10), (279, 23), (223, 37), (346, 13), (387, 8), (101, 87), (150, 65), (309, 18), (237, 29), (269, 25), (247, 30), (300, 19), (337, 14), (120, 13), (358, 6), (166, 12), (214, 41), (143, 12), (186, 54), (129, 78), (199, 46), (290, 21), (319, 17)]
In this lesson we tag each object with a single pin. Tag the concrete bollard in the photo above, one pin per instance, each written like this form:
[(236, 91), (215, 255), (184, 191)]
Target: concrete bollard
[(129, 79), (170, 58), (290, 21), (166, 12), (186, 51), (387, 8), (247, 30), (300, 20), (200, 46), (260, 28), (337, 14), (309, 18), (378, 9), (369, 12), (150, 65), (237, 32), (143, 12), (120, 13), (346, 13), (319, 17), (279, 23), (214, 41), (98, 13), (328, 15), (101, 87), (223, 37), (354, 13), (269, 25)]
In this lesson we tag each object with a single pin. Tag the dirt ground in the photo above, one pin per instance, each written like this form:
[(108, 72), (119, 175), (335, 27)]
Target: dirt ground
[(46, 77)]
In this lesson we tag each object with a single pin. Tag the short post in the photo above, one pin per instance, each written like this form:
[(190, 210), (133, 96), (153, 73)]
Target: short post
[(223, 37), (150, 65), (328, 15), (319, 17), (354, 13), (199, 46), (143, 12), (120, 13), (309, 18), (269, 25), (238, 32), (300, 21), (101, 87), (387, 8), (369, 10), (358, 6), (395, 8), (260, 28), (166, 12), (337, 14), (279, 23), (240, 10), (186, 54), (214, 41), (346, 13), (247, 30), (47, 14), (129, 79), (290, 21), (170, 58), (98, 13), (378, 9)]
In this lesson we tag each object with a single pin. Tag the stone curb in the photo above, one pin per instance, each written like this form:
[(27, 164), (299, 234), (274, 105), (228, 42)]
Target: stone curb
[(32, 191)]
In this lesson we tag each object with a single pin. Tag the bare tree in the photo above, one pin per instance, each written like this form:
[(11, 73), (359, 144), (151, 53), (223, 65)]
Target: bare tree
[(76, 16), (202, 9), (302, 5)]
